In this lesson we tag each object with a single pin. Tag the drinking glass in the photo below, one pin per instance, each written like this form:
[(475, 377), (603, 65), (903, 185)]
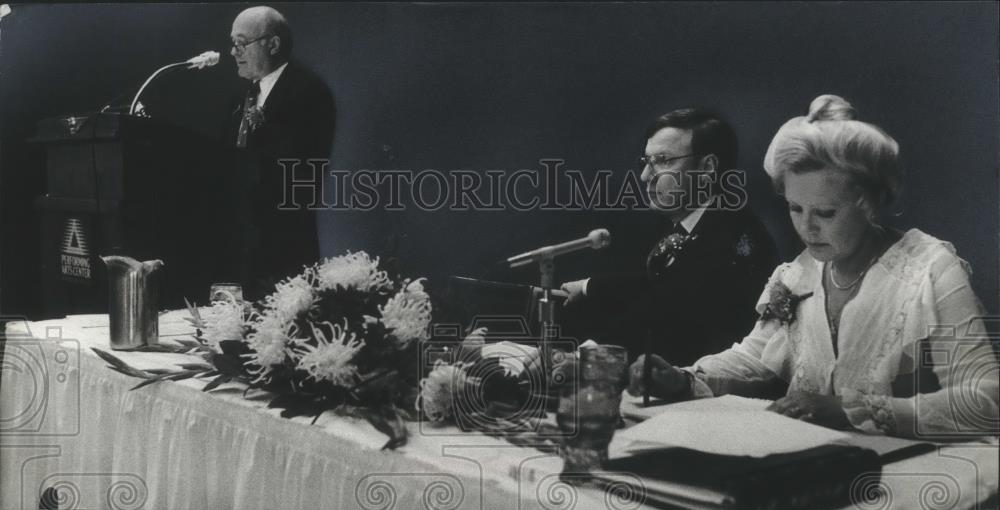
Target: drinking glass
[(588, 412), (225, 292)]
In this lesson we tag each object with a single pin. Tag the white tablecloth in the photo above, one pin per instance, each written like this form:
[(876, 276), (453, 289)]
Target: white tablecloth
[(69, 422), (66, 421)]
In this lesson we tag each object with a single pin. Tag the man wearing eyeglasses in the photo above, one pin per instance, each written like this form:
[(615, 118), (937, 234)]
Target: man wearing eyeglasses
[(287, 113), (708, 266)]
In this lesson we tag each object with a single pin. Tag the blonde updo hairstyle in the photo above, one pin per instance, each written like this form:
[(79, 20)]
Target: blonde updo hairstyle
[(830, 137)]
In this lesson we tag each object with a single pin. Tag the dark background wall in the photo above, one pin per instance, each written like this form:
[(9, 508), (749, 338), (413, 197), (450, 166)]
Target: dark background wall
[(479, 87)]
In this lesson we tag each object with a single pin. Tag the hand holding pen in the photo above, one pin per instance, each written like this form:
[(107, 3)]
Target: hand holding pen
[(665, 380)]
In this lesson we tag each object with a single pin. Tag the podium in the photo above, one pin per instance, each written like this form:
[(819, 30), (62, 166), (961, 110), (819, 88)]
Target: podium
[(123, 185)]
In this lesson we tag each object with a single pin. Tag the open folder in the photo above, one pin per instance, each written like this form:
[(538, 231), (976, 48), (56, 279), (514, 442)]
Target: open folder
[(729, 452), (815, 478)]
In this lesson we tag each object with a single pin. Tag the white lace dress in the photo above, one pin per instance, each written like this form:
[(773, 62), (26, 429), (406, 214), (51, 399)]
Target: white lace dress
[(919, 289)]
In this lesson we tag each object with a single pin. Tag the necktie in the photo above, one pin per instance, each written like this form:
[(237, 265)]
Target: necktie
[(664, 253), (677, 228), (248, 106)]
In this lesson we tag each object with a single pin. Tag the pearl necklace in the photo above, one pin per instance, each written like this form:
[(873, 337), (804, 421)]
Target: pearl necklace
[(833, 276), (833, 270)]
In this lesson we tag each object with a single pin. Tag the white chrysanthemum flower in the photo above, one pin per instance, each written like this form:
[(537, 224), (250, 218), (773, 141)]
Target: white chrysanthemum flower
[(292, 296), (331, 359), (355, 270), (440, 390), (408, 313), (224, 321), (269, 341)]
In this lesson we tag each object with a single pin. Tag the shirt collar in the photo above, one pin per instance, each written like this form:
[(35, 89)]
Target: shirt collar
[(691, 220), (267, 84)]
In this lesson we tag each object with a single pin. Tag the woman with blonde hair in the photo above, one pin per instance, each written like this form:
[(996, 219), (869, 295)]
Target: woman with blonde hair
[(868, 328)]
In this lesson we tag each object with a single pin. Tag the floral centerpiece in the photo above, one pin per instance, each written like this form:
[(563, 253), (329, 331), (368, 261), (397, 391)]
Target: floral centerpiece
[(342, 335)]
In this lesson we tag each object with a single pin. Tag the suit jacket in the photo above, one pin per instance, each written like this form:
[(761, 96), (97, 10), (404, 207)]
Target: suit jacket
[(701, 304), (297, 124)]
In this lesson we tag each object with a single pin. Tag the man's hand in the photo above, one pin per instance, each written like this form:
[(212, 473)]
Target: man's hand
[(666, 381), (574, 290), (824, 410)]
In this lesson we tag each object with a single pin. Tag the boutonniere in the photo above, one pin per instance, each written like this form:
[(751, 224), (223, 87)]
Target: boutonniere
[(255, 117), (744, 247), (782, 304), (666, 252)]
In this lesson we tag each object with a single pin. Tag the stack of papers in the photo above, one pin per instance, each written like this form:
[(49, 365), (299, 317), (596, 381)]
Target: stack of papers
[(732, 425), (727, 425)]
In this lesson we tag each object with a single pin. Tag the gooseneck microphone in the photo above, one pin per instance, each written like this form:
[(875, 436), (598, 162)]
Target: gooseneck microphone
[(206, 59), (595, 240)]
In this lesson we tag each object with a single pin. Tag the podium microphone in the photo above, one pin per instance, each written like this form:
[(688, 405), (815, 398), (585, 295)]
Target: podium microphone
[(206, 59), (595, 240)]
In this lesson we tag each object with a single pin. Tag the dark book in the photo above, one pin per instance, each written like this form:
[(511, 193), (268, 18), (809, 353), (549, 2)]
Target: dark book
[(822, 477)]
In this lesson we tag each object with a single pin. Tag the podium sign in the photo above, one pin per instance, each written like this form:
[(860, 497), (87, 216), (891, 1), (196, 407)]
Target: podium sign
[(121, 185), (74, 258)]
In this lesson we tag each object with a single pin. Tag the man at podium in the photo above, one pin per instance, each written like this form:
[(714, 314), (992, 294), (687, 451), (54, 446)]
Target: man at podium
[(285, 120)]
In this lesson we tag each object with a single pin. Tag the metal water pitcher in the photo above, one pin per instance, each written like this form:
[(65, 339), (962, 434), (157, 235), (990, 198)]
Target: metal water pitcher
[(132, 300)]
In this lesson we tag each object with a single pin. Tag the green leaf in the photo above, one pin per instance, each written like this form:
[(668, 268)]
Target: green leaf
[(218, 381), (386, 419), (195, 318), (147, 382), (158, 348), (234, 347), (170, 376), (123, 372), (185, 374), (121, 366), (228, 364), (292, 412), (407, 414), (291, 401), (190, 344), (195, 366)]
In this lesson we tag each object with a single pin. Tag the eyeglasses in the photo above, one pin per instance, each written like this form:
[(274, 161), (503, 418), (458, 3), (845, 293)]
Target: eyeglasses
[(240, 47), (660, 161)]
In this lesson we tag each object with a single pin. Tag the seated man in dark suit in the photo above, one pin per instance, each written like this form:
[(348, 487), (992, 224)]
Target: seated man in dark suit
[(703, 277), (287, 114)]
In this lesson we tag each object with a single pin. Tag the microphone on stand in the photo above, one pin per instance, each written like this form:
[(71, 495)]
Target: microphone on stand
[(545, 257), (595, 240), (206, 59)]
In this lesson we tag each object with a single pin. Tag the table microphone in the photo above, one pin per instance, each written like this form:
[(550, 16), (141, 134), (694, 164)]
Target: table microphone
[(595, 240)]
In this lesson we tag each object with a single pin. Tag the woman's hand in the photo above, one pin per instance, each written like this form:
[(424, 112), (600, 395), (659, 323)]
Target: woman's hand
[(824, 410), (666, 381)]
